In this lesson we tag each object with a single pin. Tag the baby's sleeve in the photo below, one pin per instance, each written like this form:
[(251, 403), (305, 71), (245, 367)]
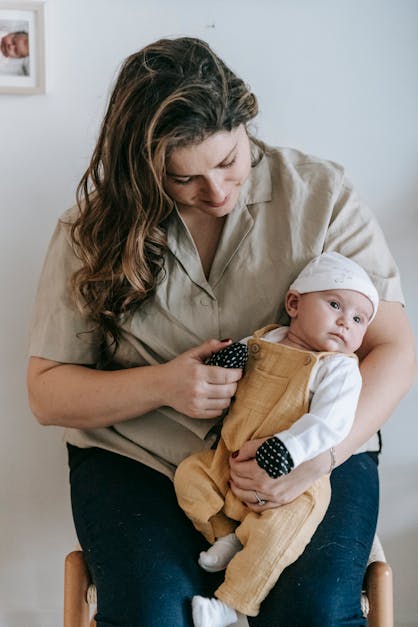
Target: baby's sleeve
[(335, 389)]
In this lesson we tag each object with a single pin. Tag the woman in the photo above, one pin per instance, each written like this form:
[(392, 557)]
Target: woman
[(187, 229)]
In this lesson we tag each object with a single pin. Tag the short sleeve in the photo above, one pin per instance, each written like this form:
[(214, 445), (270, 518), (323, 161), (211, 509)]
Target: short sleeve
[(355, 233), (59, 331)]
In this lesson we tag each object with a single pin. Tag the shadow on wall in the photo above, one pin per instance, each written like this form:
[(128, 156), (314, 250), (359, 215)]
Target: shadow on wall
[(401, 552), (399, 510), (403, 236)]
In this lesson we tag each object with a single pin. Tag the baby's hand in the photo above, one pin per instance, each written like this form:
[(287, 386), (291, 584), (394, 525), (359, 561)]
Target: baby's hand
[(233, 356)]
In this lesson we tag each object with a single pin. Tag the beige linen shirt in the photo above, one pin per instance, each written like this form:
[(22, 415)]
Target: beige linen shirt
[(292, 208)]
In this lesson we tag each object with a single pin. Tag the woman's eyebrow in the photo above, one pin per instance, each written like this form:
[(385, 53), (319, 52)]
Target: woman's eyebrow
[(185, 176)]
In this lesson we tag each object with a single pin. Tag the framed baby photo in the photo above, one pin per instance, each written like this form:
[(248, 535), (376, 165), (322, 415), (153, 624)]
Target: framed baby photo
[(22, 48)]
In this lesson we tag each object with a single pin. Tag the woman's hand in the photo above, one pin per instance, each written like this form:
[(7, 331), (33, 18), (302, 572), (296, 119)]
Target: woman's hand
[(79, 397), (197, 390), (247, 478)]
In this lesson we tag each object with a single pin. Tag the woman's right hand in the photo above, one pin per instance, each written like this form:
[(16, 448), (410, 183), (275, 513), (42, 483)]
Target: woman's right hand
[(198, 390), (70, 395)]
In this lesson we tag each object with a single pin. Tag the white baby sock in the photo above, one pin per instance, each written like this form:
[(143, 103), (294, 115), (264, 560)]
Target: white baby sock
[(220, 553), (212, 613)]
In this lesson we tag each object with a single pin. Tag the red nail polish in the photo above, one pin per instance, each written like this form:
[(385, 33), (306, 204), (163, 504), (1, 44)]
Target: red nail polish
[(235, 454)]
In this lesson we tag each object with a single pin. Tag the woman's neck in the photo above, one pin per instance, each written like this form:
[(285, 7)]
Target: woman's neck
[(206, 233)]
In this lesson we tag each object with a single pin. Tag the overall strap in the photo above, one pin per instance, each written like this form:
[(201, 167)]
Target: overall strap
[(260, 332)]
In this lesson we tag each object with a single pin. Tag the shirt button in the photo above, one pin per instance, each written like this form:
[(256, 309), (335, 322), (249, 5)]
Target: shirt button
[(255, 348), (205, 302), (307, 361)]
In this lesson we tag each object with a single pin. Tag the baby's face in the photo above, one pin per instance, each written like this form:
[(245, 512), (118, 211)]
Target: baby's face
[(332, 320), (15, 45)]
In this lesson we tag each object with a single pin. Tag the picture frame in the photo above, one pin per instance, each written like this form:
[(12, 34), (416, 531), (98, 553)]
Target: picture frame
[(22, 48)]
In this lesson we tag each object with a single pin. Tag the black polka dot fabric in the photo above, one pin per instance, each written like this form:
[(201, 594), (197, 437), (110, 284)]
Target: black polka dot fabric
[(233, 356), (273, 457)]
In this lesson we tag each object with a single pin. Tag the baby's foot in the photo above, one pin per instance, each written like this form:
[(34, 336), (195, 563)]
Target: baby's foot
[(218, 556), (212, 613)]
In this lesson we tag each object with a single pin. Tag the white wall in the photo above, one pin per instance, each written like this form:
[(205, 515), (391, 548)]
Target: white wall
[(334, 78)]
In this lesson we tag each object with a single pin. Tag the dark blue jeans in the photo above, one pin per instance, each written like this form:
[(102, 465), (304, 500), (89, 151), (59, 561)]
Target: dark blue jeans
[(142, 550)]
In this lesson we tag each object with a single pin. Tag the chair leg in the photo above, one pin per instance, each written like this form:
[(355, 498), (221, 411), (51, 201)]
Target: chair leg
[(76, 583), (379, 589)]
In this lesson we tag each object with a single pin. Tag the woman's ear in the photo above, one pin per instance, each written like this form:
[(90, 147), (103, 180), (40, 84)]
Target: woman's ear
[(292, 303)]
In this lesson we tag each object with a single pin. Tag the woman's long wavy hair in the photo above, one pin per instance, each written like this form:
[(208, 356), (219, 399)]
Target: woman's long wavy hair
[(171, 93)]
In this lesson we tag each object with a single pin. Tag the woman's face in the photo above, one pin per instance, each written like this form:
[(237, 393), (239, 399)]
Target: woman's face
[(207, 177)]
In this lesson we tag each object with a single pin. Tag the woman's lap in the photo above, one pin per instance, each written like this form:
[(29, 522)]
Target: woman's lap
[(142, 550)]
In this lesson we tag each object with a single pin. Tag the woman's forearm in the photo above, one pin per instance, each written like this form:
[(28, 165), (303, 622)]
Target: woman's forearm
[(80, 397), (388, 371)]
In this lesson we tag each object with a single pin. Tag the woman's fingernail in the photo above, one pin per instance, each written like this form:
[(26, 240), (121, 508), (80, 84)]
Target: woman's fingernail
[(227, 339), (235, 454)]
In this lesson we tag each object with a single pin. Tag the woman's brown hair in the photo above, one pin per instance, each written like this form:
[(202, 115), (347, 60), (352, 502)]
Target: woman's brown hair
[(172, 93)]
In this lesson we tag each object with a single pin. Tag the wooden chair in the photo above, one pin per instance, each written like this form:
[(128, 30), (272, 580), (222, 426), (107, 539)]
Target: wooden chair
[(79, 592), (376, 602)]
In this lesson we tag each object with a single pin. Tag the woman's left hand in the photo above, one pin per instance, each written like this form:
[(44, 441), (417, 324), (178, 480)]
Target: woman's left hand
[(247, 478)]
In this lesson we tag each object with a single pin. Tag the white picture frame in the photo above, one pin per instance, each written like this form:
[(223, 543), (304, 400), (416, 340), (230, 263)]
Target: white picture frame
[(22, 48)]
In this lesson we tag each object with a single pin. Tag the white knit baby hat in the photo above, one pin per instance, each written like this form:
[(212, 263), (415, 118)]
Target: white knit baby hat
[(334, 271)]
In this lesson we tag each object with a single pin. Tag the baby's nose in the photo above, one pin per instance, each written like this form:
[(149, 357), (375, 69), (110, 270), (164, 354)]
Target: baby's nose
[(344, 321)]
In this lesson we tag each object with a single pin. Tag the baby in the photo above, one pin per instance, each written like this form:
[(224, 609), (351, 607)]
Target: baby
[(15, 45), (302, 384), (14, 53)]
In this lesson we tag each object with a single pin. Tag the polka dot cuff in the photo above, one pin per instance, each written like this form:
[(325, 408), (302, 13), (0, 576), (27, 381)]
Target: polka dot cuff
[(273, 457), (233, 356)]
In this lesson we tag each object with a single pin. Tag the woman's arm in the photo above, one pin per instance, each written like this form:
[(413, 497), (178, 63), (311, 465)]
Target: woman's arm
[(81, 397), (388, 368)]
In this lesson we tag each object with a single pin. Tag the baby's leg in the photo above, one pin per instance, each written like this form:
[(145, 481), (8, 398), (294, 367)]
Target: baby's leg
[(218, 556), (200, 483), (271, 541)]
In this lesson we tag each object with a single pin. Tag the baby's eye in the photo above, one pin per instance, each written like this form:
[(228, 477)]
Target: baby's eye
[(334, 304), (357, 319)]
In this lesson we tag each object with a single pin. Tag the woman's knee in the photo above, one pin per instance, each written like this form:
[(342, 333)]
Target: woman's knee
[(330, 609), (324, 606)]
